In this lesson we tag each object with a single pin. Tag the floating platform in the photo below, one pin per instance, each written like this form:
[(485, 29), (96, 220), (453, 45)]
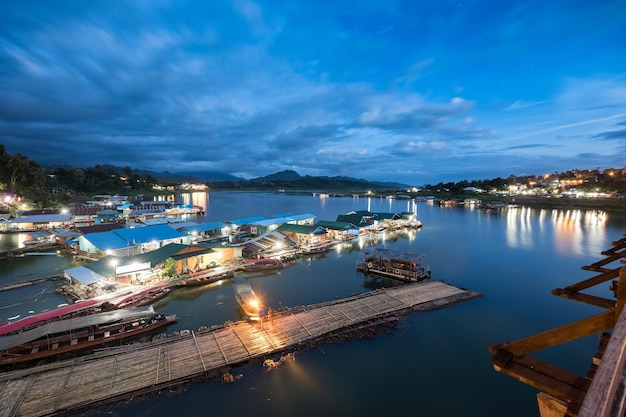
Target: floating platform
[(108, 377)]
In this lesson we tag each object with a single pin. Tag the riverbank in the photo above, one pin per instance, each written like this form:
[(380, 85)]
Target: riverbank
[(604, 204)]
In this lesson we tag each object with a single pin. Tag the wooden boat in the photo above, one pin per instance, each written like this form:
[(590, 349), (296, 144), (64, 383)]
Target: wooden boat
[(261, 264), (318, 248), (208, 278), (79, 333), (391, 264), (248, 301), (145, 297)]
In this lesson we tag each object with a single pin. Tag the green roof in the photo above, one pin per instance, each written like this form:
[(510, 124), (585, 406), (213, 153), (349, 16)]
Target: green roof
[(300, 229), (335, 225)]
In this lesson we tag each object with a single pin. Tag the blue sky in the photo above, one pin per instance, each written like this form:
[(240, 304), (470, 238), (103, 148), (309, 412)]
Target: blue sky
[(409, 91)]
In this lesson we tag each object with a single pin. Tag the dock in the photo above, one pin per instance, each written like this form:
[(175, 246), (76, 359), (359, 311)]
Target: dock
[(111, 376)]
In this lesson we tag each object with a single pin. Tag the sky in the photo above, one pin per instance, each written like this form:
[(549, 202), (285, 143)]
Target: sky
[(416, 92)]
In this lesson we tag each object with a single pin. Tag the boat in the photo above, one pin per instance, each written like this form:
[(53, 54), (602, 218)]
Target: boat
[(208, 278), (144, 297), (248, 301), (61, 313), (80, 333), (321, 247), (392, 264), (261, 264)]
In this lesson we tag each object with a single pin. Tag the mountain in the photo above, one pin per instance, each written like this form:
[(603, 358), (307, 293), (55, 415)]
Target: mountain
[(287, 175), (293, 181)]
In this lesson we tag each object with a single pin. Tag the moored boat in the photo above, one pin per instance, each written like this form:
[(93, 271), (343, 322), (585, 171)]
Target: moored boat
[(391, 264), (248, 301), (261, 264), (79, 333)]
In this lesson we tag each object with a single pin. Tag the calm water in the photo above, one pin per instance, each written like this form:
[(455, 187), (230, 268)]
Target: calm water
[(435, 363)]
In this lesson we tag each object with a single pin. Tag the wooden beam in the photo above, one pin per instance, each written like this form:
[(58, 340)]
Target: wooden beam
[(593, 300), (557, 382), (592, 282), (621, 290), (566, 333)]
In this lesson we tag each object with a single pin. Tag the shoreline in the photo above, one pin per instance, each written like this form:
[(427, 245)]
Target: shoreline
[(604, 204)]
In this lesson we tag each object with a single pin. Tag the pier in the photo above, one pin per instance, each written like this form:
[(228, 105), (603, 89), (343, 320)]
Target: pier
[(107, 377)]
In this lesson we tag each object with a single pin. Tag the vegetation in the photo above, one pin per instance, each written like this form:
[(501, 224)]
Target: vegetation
[(26, 181), (169, 268)]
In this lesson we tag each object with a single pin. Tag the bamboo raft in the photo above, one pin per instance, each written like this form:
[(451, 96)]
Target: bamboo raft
[(107, 377)]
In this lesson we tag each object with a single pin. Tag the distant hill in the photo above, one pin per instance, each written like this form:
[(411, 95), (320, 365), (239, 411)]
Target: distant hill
[(291, 180), (288, 179)]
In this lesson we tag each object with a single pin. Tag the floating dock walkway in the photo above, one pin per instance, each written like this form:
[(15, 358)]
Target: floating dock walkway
[(111, 376)]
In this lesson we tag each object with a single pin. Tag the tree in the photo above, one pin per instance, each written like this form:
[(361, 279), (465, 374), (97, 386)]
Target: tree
[(169, 268)]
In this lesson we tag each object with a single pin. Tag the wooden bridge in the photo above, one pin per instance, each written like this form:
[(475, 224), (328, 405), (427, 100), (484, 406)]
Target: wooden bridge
[(601, 392), (69, 387)]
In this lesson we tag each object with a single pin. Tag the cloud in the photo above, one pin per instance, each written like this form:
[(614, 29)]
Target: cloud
[(390, 91)]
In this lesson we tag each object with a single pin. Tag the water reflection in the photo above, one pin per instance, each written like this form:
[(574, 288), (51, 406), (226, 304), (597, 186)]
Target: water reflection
[(519, 228), (579, 232), (575, 232)]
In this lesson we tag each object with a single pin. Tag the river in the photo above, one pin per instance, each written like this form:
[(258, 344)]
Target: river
[(433, 364)]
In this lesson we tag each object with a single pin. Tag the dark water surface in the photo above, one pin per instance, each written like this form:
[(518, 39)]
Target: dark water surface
[(435, 363)]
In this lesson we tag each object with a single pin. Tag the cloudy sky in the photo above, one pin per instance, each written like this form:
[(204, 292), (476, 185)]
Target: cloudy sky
[(409, 91)]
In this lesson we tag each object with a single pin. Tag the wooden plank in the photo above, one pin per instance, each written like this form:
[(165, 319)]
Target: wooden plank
[(198, 348), (543, 381), (592, 282), (593, 300), (566, 333), (605, 397)]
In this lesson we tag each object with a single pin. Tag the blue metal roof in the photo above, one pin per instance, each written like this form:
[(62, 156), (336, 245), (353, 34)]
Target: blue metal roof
[(269, 222), (106, 240), (147, 234), (247, 220), (297, 217), (204, 227)]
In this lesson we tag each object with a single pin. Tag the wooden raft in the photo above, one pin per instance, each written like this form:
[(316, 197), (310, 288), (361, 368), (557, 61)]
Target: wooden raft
[(68, 387)]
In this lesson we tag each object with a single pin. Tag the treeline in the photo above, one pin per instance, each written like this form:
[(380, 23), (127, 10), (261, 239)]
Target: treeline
[(48, 187)]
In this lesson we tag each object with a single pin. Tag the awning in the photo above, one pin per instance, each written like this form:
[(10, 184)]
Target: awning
[(83, 275)]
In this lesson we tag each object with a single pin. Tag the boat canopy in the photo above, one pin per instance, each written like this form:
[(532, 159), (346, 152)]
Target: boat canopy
[(55, 314), (62, 326)]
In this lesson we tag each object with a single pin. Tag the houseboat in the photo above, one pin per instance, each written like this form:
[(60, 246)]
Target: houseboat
[(80, 333), (248, 301), (392, 264)]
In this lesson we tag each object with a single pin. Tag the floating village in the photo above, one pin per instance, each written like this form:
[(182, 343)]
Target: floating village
[(132, 255)]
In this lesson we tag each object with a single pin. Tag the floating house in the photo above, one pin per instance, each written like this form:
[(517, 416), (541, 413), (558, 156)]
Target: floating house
[(130, 241)]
